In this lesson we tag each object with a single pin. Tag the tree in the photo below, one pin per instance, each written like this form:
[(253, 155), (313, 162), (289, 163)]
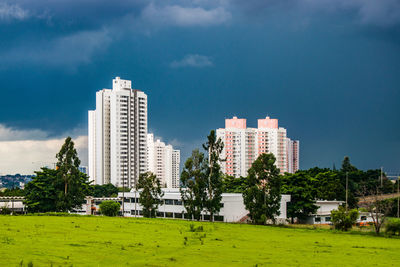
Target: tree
[(193, 185), (328, 186), (107, 190), (110, 208), (214, 175), (12, 192), (234, 185), (263, 194), (346, 165), (62, 189), (343, 220), (41, 193), (75, 184), (378, 208), (150, 195), (302, 195)]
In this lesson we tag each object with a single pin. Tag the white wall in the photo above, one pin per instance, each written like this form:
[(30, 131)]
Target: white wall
[(233, 208)]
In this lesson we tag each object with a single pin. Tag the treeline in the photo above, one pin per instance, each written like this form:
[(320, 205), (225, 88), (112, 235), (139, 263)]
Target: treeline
[(306, 186)]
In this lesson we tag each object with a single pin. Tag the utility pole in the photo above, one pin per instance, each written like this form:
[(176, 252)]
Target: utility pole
[(347, 190)]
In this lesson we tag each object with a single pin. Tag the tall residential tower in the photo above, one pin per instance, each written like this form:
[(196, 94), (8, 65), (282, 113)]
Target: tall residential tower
[(163, 161), (118, 135)]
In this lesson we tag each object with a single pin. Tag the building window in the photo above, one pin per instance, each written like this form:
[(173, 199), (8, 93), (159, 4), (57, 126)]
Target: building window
[(177, 202)]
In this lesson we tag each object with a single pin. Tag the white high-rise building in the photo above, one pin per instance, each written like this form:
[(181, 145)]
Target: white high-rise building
[(243, 145), (163, 162), (176, 161), (118, 135)]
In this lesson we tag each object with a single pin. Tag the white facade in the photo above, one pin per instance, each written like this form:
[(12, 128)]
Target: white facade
[(92, 145), (163, 162), (323, 213), (176, 161), (117, 147), (233, 209)]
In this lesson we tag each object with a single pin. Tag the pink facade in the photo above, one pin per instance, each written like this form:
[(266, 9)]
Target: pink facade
[(235, 123), (268, 123), (243, 145), (229, 147)]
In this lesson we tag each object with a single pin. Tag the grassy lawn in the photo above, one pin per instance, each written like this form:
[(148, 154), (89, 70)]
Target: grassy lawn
[(102, 241)]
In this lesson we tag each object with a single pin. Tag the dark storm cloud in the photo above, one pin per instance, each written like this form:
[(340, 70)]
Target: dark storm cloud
[(382, 13), (329, 70), (71, 32)]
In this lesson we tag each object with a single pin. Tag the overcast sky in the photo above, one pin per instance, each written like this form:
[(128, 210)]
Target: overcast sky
[(329, 70)]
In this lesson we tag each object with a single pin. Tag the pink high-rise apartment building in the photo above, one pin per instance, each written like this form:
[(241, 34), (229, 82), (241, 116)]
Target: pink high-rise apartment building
[(293, 153), (243, 145), (239, 146)]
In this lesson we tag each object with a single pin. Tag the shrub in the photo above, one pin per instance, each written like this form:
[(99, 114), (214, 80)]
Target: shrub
[(343, 220), (109, 208), (5, 211), (393, 227)]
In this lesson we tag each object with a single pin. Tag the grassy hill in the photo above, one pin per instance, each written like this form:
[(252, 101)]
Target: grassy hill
[(102, 241)]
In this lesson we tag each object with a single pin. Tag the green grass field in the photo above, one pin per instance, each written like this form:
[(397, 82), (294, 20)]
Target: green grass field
[(102, 241)]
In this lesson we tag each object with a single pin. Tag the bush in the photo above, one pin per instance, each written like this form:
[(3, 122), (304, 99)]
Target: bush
[(5, 211), (393, 227), (109, 208), (343, 220)]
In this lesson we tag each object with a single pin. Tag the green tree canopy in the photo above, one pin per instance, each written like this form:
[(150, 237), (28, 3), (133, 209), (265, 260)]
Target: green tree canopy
[(263, 194), (346, 165), (302, 194), (76, 185), (63, 189), (150, 194), (41, 194), (107, 190), (234, 185), (193, 184), (214, 147)]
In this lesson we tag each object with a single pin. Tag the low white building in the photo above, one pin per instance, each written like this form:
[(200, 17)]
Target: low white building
[(323, 214), (233, 209), (15, 204)]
